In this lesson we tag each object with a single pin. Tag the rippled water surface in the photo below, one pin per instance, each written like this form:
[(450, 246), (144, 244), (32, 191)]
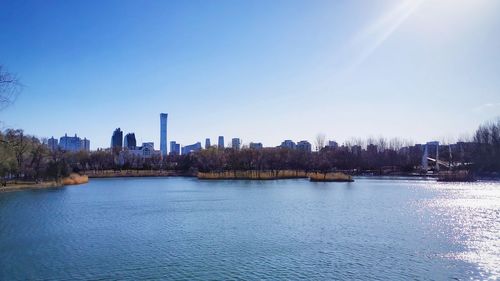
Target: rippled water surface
[(185, 229)]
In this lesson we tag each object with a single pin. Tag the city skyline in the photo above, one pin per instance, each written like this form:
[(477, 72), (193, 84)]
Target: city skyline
[(259, 71)]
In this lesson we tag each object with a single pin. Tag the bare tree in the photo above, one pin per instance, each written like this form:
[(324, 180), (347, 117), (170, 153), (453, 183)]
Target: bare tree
[(320, 141), (9, 88)]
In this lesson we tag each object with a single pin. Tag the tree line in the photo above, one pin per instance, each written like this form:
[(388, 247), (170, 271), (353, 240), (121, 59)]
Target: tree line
[(26, 157)]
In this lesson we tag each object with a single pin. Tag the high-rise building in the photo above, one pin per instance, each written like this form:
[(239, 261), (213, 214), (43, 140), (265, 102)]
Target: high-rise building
[(163, 133), (333, 144), (256, 145), (73, 143), (175, 148), (191, 148), (236, 143), (207, 143), (304, 146), (220, 144), (117, 139), (85, 144), (288, 144), (129, 141), (52, 143)]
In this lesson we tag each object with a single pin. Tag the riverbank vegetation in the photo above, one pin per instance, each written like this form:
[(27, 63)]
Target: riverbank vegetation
[(252, 175), (330, 177)]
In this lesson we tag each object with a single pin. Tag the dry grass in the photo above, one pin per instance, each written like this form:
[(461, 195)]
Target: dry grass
[(29, 185), (75, 179), (336, 177)]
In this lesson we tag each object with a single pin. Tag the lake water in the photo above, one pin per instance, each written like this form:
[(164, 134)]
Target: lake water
[(185, 229)]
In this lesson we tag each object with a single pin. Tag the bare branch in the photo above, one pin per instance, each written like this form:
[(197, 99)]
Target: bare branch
[(9, 88)]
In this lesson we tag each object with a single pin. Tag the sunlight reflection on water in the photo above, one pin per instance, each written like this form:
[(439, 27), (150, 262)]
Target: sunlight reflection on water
[(472, 212)]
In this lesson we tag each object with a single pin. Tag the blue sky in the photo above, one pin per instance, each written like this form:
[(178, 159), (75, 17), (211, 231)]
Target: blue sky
[(259, 70)]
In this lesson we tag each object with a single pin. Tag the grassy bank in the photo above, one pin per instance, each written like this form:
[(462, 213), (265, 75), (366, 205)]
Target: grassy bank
[(75, 179), (330, 177), (273, 175), (23, 185)]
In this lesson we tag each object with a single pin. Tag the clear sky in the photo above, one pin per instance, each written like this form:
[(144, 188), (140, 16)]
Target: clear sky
[(259, 70)]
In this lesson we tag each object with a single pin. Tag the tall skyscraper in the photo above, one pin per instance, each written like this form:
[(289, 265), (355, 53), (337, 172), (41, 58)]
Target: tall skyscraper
[(117, 139), (129, 141), (236, 143), (221, 142), (163, 133), (207, 143)]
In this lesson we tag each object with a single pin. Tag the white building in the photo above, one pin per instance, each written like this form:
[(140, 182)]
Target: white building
[(147, 150)]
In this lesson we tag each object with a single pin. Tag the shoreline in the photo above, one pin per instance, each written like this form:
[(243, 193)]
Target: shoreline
[(82, 179), (72, 179), (30, 186)]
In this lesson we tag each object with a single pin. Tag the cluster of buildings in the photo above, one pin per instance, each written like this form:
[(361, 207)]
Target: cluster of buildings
[(128, 145), (66, 143), (301, 145)]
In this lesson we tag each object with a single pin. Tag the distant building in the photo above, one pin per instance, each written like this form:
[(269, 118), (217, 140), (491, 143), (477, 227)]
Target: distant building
[(147, 150), (220, 144), (117, 139), (85, 145), (73, 144), (288, 144), (431, 150), (129, 141), (333, 144), (191, 148), (356, 149), (163, 133), (150, 144), (52, 143), (207, 143), (304, 146), (256, 145), (175, 148), (236, 143)]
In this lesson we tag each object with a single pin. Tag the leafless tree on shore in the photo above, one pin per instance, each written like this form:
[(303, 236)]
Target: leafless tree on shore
[(9, 88)]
